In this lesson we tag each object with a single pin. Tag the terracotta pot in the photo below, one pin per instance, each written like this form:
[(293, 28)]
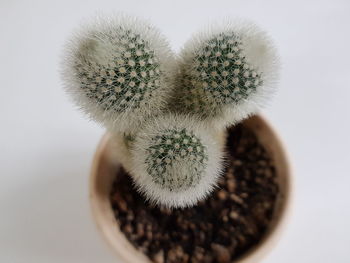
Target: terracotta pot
[(105, 168)]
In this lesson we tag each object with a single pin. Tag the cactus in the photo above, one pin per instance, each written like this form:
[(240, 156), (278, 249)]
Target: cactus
[(176, 162), (227, 74), (169, 135), (119, 72)]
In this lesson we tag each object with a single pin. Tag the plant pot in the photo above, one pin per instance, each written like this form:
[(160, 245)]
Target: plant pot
[(105, 168)]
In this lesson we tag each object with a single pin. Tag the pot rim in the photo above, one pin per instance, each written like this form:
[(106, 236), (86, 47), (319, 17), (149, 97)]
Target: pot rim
[(103, 214)]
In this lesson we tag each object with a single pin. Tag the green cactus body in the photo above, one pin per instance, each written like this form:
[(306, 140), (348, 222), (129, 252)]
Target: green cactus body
[(127, 79), (176, 146), (218, 75)]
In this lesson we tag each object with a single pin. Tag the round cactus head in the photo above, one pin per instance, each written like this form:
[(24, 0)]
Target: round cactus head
[(227, 73), (175, 162), (118, 71)]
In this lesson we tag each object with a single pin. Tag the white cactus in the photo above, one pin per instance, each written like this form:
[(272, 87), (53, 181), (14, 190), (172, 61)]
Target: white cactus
[(118, 71), (228, 72), (176, 161), (122, 73)]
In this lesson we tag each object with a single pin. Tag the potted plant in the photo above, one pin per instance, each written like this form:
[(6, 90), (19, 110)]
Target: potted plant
[(178, 178)]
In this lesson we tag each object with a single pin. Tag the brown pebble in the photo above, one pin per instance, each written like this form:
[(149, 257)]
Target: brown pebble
[(222, 194), (171, 255), (130, 216), (128, 229), (268, 173), (179, 251), (119, 200), (237, 162), (231, 185), (159, 257), (258, 180), (140, 231), (229, 174), (244, 195), (222, 254), (198, 253), (149, 227), (149, 235), (234, 215), (165, 211), (133, 237), (266, 205), (236, 198), (202, 236)]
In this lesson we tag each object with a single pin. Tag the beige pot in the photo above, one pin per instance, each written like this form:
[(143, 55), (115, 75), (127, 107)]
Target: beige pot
[(104, 170)]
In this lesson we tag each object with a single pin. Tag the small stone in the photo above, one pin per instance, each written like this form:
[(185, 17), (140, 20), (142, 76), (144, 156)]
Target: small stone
[(229, 174), (234, 215), (266, 205), (128, 229), (222, 194), (130, 216), (149, 227), (198, 253), (244, 195), (222, 254), (237, 162), (171, 255), (236, 198), (241, 239), (268, 173), (201, 237), (179, 251), (165, 210), (149, 235), (140, 231), (231, 185), (159, 257), (119, 200)]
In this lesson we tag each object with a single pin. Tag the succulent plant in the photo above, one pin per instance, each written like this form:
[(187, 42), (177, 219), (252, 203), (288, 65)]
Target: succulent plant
[(119, 71), (227, 73), (167, 117), (175, 161)]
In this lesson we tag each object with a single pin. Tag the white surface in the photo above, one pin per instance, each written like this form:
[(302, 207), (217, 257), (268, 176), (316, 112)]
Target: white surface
[(47, 146)]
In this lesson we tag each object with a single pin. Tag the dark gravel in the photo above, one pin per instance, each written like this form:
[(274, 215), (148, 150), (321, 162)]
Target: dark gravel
[(221, 228)]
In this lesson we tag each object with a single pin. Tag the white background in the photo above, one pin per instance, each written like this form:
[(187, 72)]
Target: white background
[(47, 146)]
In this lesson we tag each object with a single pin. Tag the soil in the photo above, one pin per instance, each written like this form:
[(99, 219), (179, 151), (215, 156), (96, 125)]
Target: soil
[(219, 229)]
